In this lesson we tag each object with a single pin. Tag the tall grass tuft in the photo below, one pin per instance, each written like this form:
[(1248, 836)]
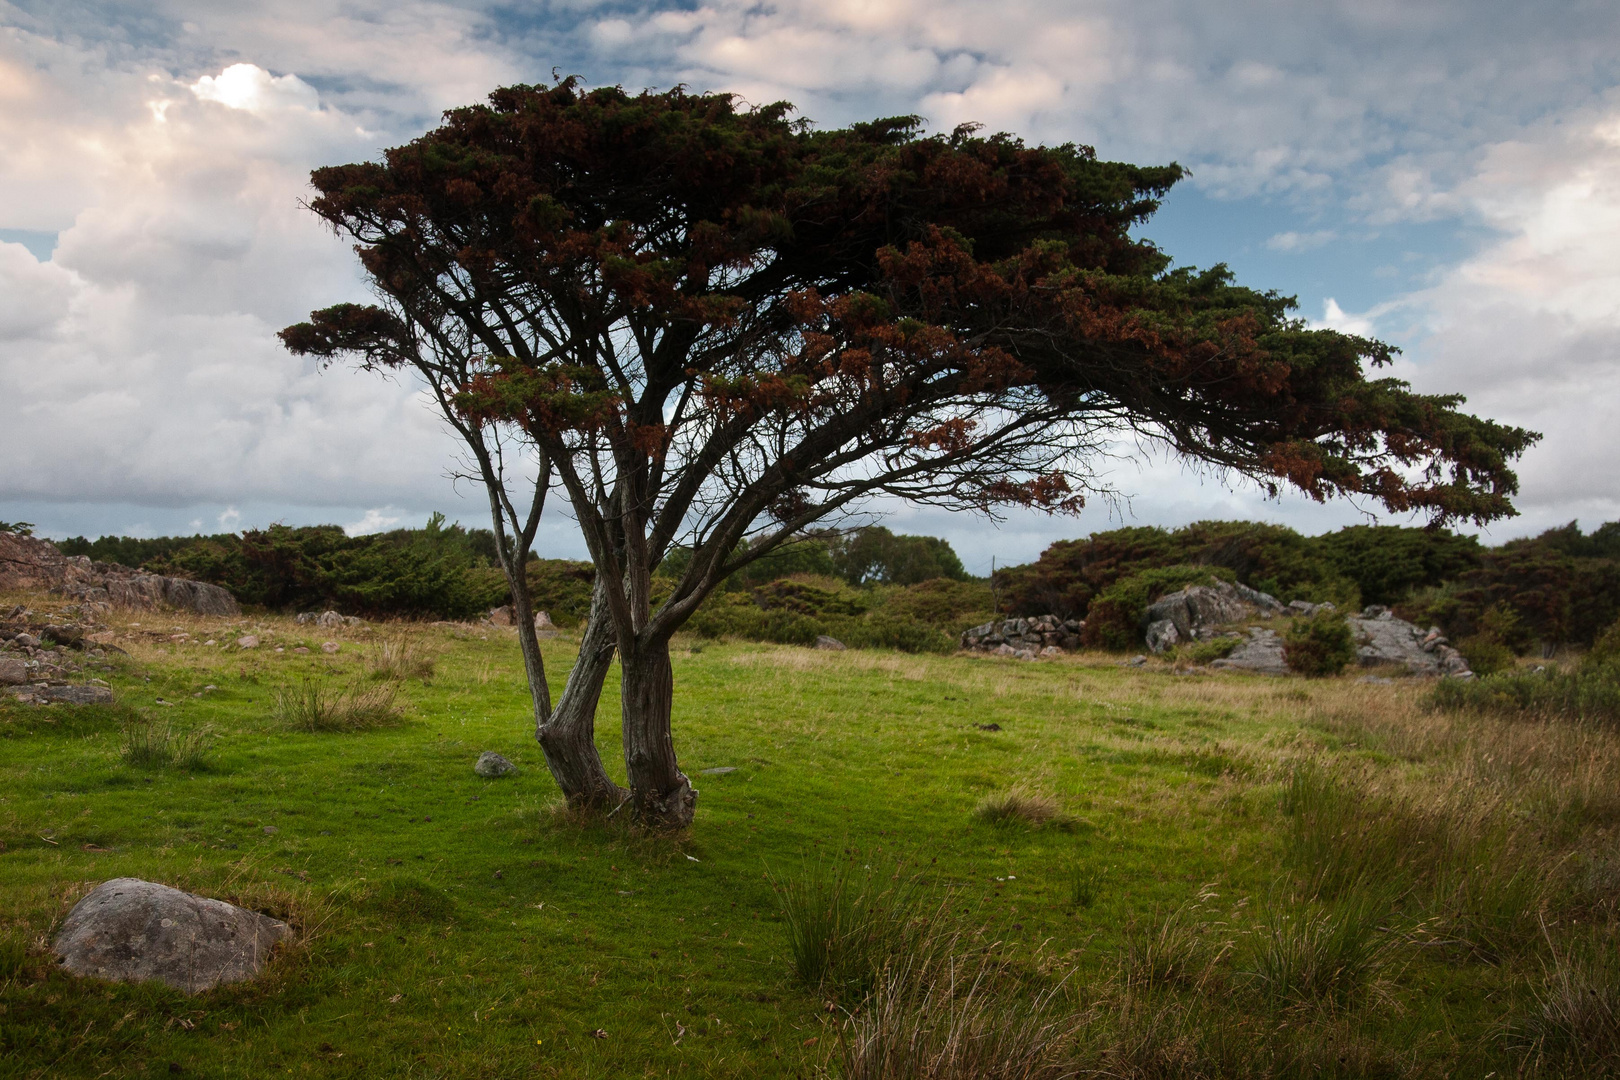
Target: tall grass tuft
[(149, 746), (848, 924), (311, 707), (1018, 805), (1180, 949), (13, 956), (963, 1018), (1591, 693), (1310, 954), (400, 657), (1574, 1022)]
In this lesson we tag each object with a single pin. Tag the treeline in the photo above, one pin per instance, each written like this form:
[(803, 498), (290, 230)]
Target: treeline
[(875, 586)]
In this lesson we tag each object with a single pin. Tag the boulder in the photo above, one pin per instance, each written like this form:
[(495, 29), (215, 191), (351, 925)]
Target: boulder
[(490, 764), (1162, 635), (13, 671), (328, 619), (128, 930), (543, 626), (1383, 639), (830, 643), (501, 616), (1198, 607), (248, 641), (1261, 651), (1024, 634)]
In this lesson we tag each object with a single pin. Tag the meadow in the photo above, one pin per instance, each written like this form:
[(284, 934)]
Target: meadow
[(919, 866)]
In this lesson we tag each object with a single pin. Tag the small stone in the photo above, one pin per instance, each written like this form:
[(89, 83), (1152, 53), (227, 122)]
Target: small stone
[(329, 647), (1051, 651), (270, 830), (248, 641), (1136, 661), (490, 765), (830, 643), (128, 930), (27, 641), (300, 649), (720, 770)]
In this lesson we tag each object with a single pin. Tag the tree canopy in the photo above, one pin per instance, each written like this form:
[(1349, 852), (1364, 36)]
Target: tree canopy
[(719, 326)]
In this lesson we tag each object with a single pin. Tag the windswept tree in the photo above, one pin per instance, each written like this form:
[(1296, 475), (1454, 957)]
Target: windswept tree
[(716, 327)]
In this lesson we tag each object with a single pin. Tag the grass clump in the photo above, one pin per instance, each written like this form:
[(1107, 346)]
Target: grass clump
[(1573, 1022), (1590, 693), (1019, 805), (13, 956), (1085, 884), (847, 925), (1310, 954), (400, 657), (311, 707), (1176, 950), (149, 746)]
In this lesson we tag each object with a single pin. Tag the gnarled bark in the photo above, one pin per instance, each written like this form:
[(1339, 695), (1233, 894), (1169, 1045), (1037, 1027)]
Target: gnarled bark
[(661, 794), (568, 735)]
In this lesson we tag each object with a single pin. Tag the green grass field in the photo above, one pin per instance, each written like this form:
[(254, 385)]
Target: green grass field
[(452, 926)]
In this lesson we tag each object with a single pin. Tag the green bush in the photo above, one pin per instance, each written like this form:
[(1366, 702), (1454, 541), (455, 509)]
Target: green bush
[(1320, 645), (1590, 693), (1115, 618), (1204, 652)]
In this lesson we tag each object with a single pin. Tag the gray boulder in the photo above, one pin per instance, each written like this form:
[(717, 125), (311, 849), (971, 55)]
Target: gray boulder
[(490, 764), (832, 643), (74, 695), (1162, 635), (13, 671), (1261, 652), (1383, 639), (128, 930)]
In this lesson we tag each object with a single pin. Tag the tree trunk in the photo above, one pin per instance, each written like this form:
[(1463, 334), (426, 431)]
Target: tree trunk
[(568, 737), (663, 796)]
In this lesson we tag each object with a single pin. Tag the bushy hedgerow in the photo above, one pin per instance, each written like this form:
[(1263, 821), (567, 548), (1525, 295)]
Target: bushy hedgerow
[(798, 610), (1319, 645)]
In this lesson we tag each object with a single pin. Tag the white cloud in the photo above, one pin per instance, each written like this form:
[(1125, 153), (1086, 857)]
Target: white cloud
[(1292, 242), (374, 521)]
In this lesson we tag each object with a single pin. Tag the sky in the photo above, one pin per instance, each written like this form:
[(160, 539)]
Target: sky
[(1442, 174)]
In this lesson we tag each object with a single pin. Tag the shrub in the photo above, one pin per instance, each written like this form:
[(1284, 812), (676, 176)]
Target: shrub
[(1204, 652), (311, 707), (1115, 617), (1589, 693), (1319, 645), (1485, 655)]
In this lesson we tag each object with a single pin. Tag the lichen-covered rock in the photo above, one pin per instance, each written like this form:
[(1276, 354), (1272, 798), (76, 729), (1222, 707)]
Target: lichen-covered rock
[(128, 930), (1199, 607), (1383, 639), (490, 765), (1161, 635), (1261, 651), (831, 644), (1021, 634), (27, 562)]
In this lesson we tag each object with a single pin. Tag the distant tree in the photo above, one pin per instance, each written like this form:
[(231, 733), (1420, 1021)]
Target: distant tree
[(1387, 561), (874, 555), (717, 327)]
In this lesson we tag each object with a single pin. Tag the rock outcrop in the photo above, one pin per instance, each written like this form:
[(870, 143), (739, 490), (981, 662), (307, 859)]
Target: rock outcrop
[(1187, 613), (27, 562), (128, 930), (1382, 639), (1010, 637), (1261, 651)]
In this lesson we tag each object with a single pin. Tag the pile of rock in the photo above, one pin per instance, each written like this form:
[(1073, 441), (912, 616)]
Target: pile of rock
[(326, 619), (1043, 635), (27, 562), (37, 660)]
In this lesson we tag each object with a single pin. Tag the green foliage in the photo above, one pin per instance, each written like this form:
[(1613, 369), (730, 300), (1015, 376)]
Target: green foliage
[(411, 900), (17, 528), (150, 746), (559, 587), (311, 707), (1590, 693), (797, 611), (847, 924), (1204, 652), (1319, 645), (1388, 562), (876, 556), (1115, 618), (1306, 953), (437, 571)]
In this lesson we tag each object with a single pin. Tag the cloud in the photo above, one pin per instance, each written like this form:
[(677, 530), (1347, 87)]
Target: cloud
[(1291, 242), (374, 521)]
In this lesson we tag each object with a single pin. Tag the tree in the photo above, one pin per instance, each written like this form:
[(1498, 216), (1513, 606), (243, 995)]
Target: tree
[(875, 555), (716, 327)]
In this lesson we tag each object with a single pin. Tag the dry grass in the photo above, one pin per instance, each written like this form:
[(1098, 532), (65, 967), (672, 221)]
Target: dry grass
[(148, 745), (400, 656)]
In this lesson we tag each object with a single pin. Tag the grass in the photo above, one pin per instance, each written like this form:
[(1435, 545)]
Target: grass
[(310, 706), (1448, 877), (1018, 805)]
